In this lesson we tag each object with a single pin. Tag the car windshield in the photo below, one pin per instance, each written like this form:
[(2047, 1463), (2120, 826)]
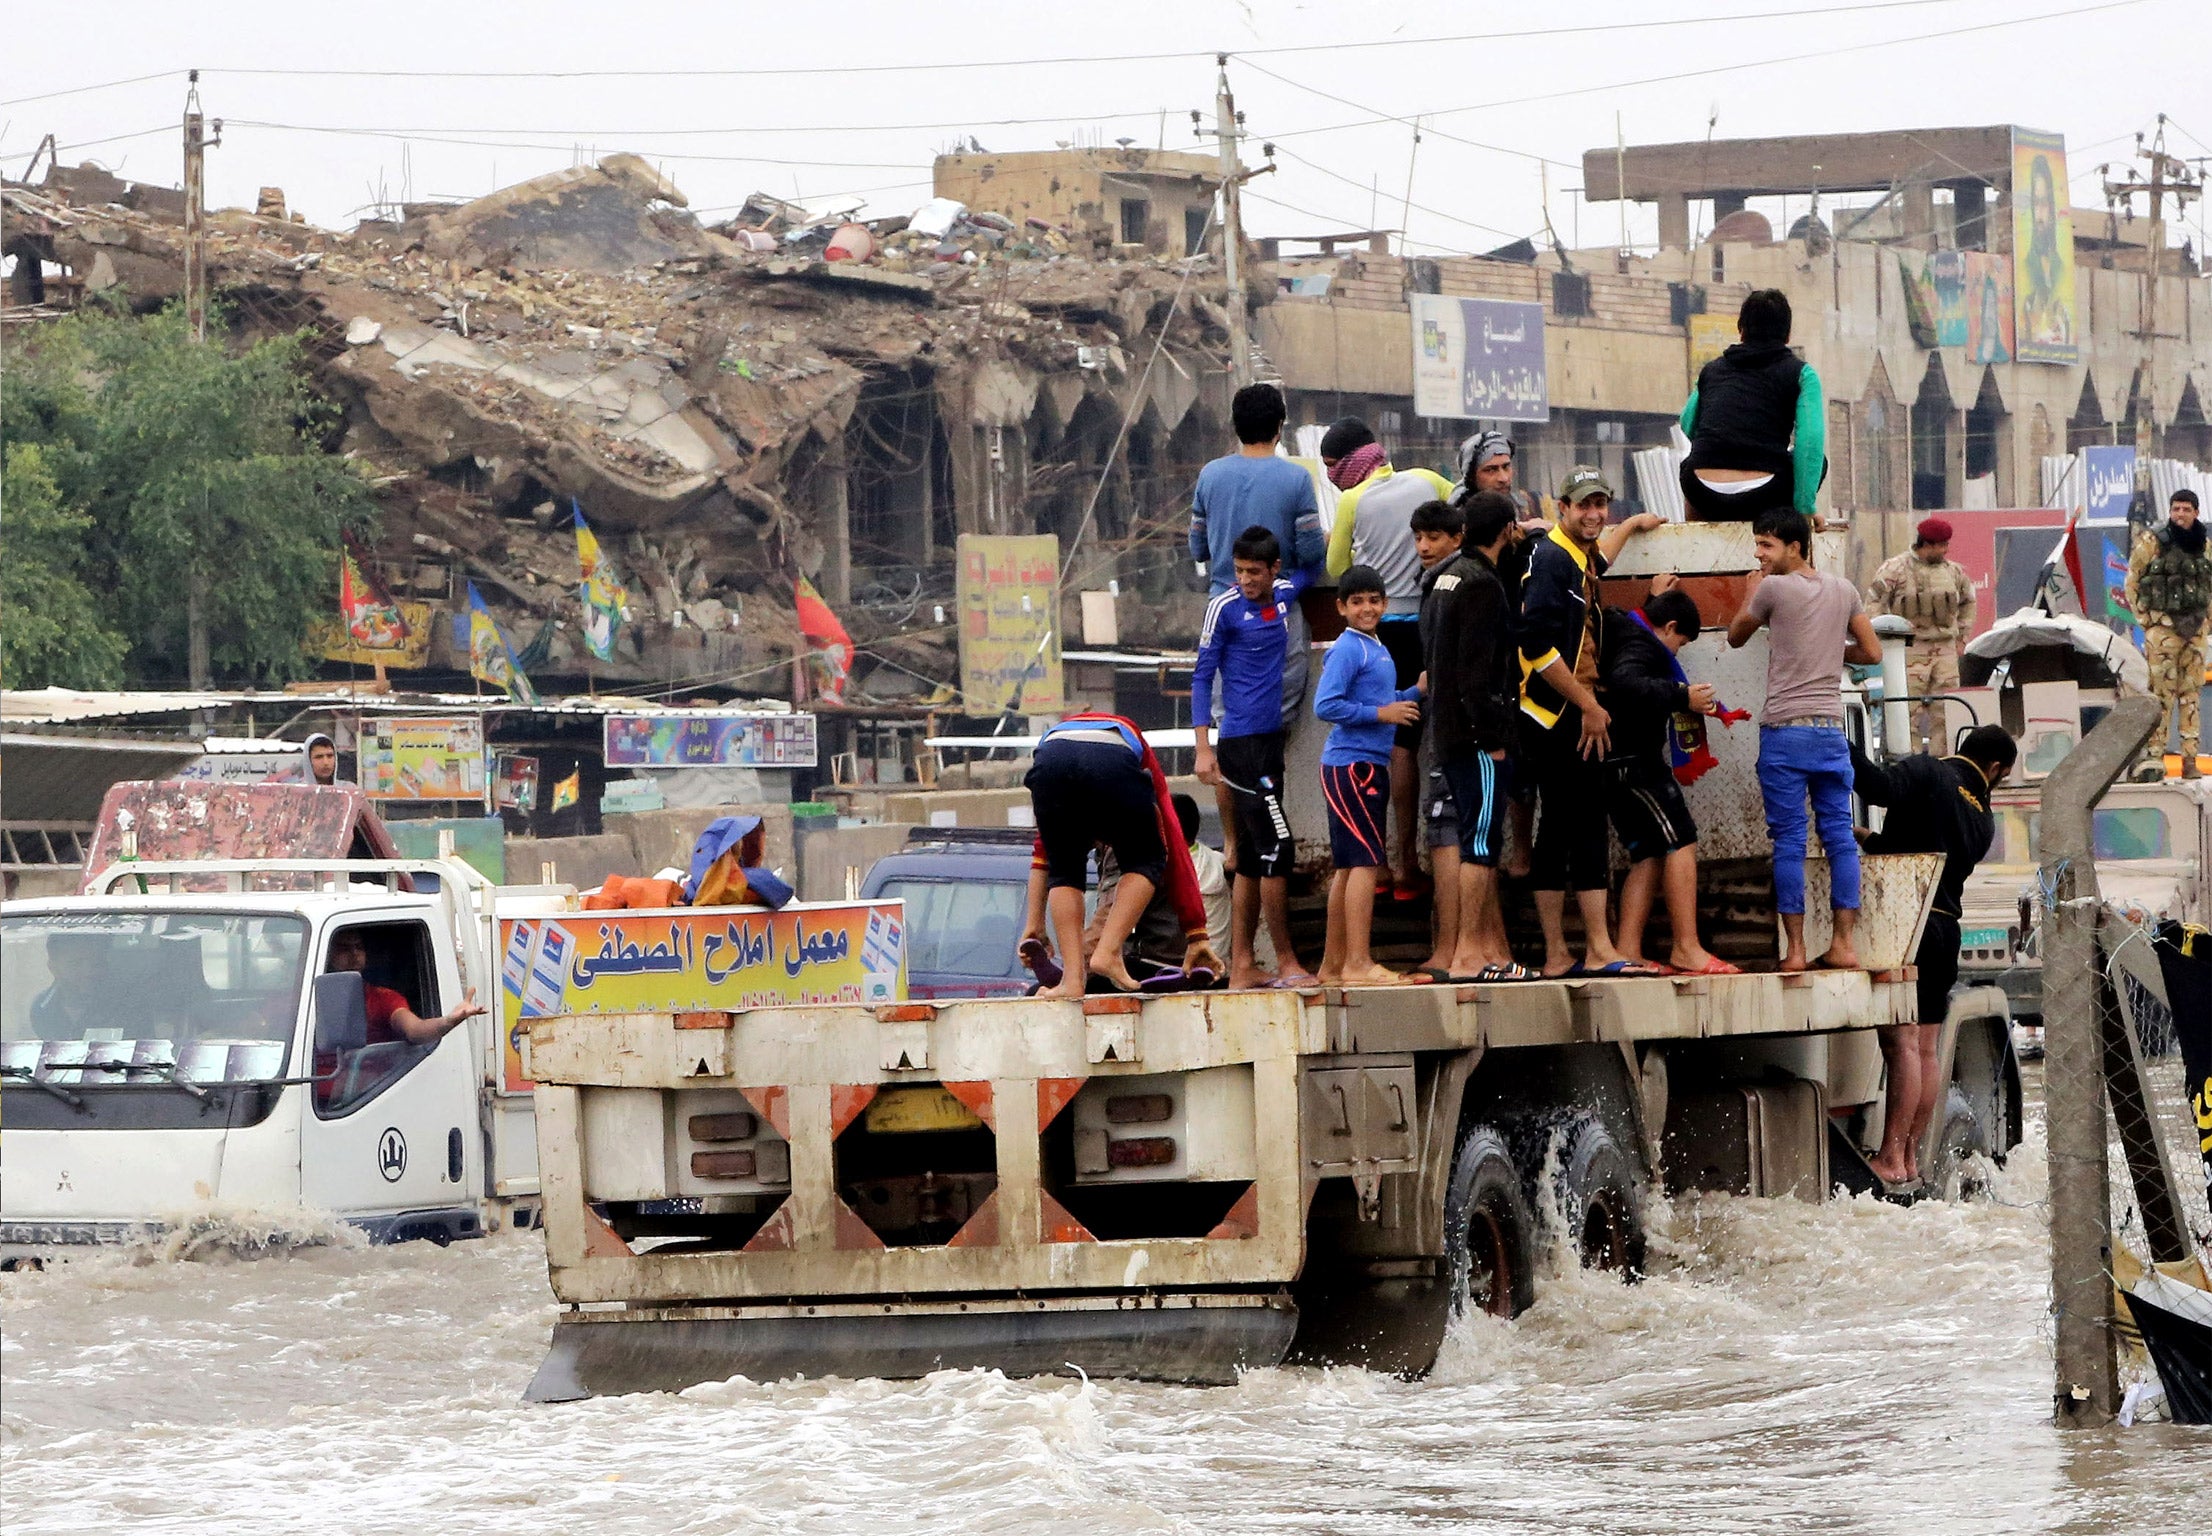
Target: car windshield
[(966, 928), (110, 997), (2121, 831)]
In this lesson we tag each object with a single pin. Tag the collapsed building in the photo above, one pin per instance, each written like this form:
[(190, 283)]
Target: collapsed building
[(731, 407)]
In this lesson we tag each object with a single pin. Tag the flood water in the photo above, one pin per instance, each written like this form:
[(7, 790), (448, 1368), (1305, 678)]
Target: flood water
[(1853, 1367)]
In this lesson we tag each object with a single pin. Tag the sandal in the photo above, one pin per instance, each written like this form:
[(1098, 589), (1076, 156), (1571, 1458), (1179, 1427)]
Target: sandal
[(1040, 962), (1713, 966), (1509, 972)]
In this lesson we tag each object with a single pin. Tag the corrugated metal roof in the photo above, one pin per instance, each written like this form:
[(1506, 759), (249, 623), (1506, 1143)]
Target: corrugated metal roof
[(61, 705), (56, 778)]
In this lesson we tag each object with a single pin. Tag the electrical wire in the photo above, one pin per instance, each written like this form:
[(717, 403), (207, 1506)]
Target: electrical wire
[(80, 90), (1713, 69), (1155, 56), (570, 148), (647, 133)]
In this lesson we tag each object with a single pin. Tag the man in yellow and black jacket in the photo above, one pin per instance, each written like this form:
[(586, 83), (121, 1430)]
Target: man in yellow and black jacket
[(1565, 727)]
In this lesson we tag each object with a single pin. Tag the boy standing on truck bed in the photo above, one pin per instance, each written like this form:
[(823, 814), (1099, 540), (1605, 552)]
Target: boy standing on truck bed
[(1936, 805), (1474, 714), (1815, 625), (1243, 645), (1094, 780), (1644, 687), (1373, 528), (1360, 698)]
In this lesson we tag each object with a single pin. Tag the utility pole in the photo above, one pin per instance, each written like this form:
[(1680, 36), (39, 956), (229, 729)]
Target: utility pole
[(196, 145), (199, 665), (2169, 176), (1228, 132), (1405, 216)]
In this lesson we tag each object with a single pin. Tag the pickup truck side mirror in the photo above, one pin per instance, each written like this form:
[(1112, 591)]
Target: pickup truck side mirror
[(341, 1013)]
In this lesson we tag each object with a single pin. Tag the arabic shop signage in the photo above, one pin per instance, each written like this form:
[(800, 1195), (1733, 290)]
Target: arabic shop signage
[(717, 959), (1478, 359), (710, 741), (2108, 482)]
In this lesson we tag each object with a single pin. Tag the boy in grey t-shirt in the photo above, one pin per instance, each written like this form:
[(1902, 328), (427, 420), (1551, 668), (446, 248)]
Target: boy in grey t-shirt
[(1814, 626)]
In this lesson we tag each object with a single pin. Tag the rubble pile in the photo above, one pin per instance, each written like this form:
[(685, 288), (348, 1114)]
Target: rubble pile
[(582, 338)]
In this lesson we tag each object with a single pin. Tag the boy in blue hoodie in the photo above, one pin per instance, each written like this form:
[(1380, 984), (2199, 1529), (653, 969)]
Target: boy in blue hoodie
[(1360, 698)]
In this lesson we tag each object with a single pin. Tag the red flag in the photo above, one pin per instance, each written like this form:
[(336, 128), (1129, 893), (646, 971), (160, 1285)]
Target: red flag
[(832, 648)]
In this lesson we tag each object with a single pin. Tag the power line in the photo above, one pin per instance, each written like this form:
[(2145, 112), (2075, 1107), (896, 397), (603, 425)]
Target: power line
[(1437, 213), (80, 90), (1715, 69), (1278, 50), (569, 148), (647, 133)]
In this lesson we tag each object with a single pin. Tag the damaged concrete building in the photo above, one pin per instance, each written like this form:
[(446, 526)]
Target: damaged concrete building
[(730, 407)]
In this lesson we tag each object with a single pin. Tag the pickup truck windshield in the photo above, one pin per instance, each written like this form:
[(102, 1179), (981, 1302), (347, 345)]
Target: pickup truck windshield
[(99, 998)]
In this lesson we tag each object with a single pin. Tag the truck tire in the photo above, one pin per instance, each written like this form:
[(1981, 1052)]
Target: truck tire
[(1954, 1170), (1489, 1232), (1601, 1201)]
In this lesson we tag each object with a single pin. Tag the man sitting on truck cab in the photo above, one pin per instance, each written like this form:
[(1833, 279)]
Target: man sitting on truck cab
[(390, 1019)]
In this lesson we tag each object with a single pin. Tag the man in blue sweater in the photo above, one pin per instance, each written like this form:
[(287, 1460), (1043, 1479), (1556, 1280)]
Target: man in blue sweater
[(1242, 648), (1256, 487)]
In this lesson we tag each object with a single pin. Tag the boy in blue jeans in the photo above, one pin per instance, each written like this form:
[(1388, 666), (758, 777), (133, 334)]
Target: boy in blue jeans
[(1360, 698), (1814, 626)]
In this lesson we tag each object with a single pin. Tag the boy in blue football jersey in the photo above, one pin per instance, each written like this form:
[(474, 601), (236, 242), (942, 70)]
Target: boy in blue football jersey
[(1242, 647)]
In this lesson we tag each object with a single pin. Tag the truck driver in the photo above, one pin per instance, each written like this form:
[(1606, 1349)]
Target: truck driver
[(390, 1019)]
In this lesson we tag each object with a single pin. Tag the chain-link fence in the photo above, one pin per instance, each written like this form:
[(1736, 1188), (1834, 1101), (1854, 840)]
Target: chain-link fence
[(2155, 1096)]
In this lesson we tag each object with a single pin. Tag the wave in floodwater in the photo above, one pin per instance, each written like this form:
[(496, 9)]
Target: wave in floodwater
[(1851, 1367)]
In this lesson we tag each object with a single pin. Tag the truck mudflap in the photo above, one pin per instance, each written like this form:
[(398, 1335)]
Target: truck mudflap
[(1199, 1340)]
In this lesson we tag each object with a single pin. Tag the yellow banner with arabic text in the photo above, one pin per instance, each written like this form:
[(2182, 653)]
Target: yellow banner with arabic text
[(709, 959)]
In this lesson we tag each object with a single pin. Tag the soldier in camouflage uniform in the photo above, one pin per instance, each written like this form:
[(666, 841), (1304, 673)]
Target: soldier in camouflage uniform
[(1934, 594), (2169, 587)]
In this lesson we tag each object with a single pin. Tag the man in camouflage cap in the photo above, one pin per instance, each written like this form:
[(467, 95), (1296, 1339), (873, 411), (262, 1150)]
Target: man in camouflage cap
[(2169, 587), (1933, 593)]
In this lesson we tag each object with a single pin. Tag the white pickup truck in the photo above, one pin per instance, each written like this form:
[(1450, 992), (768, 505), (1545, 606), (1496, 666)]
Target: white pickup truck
[(170, 1043)]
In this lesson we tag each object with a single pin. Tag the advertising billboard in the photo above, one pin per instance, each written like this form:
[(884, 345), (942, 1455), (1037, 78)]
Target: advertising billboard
[(410, 757), (2042, 250), (1479, 358), (710, 741), (708, 959), (1009, 599)]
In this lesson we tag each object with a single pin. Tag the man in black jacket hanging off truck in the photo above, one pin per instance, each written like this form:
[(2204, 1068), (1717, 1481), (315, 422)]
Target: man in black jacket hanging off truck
[(1935, 805), (1757, 428)]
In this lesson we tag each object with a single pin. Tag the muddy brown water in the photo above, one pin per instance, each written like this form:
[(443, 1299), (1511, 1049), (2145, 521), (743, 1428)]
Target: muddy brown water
[(1852, 1367)]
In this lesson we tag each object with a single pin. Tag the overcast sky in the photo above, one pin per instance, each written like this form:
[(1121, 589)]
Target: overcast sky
[(2087, 73)]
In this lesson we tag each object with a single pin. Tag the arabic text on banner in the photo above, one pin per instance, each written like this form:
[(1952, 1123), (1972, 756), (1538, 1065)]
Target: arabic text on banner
[(2108, 481), (1010, 602), (407, 757), (1479, 359), (703, 960)]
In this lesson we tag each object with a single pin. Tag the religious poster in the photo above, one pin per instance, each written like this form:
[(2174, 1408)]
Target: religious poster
[(2042, 250), (710, 740), (1009, 599), (518, 783), (1988, 308)]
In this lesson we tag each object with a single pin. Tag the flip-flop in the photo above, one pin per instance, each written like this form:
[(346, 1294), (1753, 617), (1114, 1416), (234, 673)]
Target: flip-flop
[(1040, 962), (1202, 977), (1165, 981), (1300, 981), (1435, 973), (1614, 968), (1714, 966), (1496, 973)]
